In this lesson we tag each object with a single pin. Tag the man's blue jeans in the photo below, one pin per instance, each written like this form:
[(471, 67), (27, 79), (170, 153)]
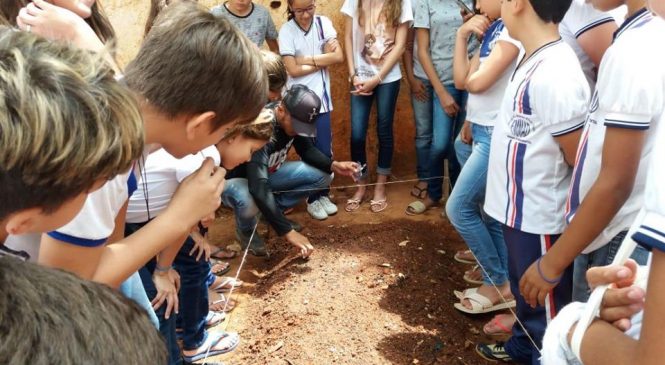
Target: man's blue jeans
[(323, 142), (293, 182), (600, 257), (361, 105), (482, 234), (422, 116), (444, 131)]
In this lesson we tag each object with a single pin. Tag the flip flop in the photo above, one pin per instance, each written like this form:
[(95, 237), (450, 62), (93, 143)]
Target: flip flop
[(459, 258), (471, 280), (214, 318), (496, 322), (217, 344), (377, 206), (220, 268), (226, 255), (352, 205), (480, 304), (218, 305), (227, 283), (421, 192)]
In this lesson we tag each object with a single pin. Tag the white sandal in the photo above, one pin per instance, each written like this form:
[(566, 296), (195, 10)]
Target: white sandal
[(480, 304)]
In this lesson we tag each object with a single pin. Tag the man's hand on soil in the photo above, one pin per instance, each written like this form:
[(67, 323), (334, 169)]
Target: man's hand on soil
[(301, 242)]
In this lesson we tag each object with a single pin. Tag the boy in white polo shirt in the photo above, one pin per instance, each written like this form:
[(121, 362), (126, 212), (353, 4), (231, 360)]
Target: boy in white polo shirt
[(610, 172), (532, 151)]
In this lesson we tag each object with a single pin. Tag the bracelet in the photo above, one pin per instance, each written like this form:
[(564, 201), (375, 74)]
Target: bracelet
[(540, 272), (161, 269), (314, 61)]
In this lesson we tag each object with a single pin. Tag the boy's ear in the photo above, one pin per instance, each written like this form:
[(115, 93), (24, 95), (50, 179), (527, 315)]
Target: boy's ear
[(518, 6), (200, 125), (22, 221)]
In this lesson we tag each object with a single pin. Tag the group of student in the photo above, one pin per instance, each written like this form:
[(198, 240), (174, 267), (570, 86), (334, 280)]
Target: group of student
[(549, 114)]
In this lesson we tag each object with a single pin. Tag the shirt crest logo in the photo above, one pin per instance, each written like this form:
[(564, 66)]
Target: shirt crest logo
[(521, 127)]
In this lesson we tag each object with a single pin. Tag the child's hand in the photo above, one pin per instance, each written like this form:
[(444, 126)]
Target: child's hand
[(622, 300), (465, 133), (346, 168), (448, 104), (201, 245), (418, 89), (56, 23), (533, 287), (300, 242), (198, 195), (477, 25), (331, 46), (167, 285)]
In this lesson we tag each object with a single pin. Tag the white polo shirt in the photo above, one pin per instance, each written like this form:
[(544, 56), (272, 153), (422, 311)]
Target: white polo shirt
[(161, 177), (580, 18), (629, 95), (528, 178)]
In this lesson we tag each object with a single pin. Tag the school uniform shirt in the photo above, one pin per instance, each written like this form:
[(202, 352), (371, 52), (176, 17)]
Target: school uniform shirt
[(483, 108), (528, 178), (443, 19), (268, 160), (257, 25), (581, 18), (629, 95), (295, 41), (374, 37), (161, 176)]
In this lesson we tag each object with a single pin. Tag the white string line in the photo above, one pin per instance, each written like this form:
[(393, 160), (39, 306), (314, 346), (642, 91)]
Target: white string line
[(235, 279), (506, 302), (359, 185)]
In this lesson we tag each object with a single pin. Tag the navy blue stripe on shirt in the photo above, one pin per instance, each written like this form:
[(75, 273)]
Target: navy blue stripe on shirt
[(593, 25), (77, 241), (653, 239), (569, 130), (626, 124), (132, 184)]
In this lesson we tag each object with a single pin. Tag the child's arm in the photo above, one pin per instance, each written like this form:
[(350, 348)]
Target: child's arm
[(622, 152), (296, 70), (390, 61), (462, 66), (604, 344), (445, 99), (273, 45), (332, 56), (417, 87), (482, 77), (597, 40), (348, 46), (112, 264)]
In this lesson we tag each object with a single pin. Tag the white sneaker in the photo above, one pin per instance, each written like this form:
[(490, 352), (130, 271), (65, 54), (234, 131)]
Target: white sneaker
[(316, 210), (328, 206)]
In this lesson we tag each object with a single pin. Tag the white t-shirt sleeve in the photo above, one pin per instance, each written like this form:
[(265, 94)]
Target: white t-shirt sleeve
[(95, 222), (407, 13), (286, 40), (329, 31), (629, 95), (422, 18), (563, 107), (350, 8), (505, 37), (189, 164), (582, 17)]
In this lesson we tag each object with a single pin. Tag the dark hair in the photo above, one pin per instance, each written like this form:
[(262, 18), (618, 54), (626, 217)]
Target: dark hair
[(289, 13), (193, 62), (551, 11), (97, 20), (50, 316)]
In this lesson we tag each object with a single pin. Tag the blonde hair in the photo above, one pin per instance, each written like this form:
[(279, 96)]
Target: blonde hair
[(65, 122), (391, 10), (260, 129), (276, 70)]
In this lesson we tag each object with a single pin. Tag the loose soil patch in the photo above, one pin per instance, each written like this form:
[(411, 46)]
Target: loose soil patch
[(370, 294)]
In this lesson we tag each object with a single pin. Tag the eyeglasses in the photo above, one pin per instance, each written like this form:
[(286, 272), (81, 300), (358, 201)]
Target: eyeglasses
[(310, 10)]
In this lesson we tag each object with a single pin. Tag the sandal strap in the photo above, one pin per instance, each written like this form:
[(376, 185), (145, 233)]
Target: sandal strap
[(478, 301)]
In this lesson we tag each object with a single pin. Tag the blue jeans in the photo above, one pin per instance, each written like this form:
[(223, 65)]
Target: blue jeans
[(293, 175), (361, 105), (323, 142), (600, 257), (444, 131), (422, 116), (132, 288), (482, 234), (166, 326)]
